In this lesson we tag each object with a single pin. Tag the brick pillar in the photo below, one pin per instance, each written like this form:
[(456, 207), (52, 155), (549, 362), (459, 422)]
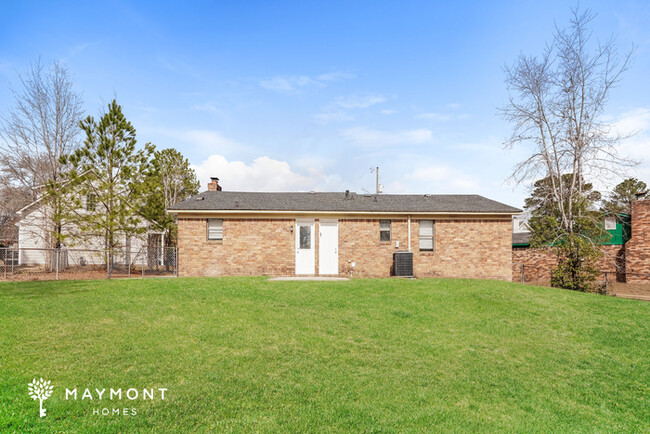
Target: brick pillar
[(637, 249)]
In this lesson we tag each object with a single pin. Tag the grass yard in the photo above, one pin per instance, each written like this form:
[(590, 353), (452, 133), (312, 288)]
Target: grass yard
[(246, 354)]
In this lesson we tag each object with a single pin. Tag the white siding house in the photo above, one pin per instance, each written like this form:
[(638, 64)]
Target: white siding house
[(35, 241)]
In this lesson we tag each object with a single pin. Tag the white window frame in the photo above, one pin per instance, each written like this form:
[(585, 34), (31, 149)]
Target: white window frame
[(610, 223), (214, 229), (427, 237), (385, 230)]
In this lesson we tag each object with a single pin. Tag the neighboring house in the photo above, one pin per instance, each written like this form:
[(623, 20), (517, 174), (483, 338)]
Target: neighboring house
[(536, 264), (35, 239), (618, 226), (520, 223), (342, 234)]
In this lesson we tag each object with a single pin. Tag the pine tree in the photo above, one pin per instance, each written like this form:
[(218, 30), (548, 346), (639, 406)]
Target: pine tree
[(170, 179), (106, 178), (623, 195)]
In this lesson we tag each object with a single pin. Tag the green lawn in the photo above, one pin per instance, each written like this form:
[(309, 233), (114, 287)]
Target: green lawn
[(247, 354)]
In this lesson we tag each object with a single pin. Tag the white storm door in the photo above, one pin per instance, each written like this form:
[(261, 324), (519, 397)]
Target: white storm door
[(305, 251), (328, 247)]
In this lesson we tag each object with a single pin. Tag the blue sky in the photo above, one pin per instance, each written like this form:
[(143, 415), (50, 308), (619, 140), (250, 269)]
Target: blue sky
[(280, 96)]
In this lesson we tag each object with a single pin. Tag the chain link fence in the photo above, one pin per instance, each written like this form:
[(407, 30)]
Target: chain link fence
[(68, 264)]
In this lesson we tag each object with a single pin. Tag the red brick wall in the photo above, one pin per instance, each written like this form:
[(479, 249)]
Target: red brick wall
[(249, 247), (361, 254), (463, 248), (466, 248), (538, 263), (637, 249)]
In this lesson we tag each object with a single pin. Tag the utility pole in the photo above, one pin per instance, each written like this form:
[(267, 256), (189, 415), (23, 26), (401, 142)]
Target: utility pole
[(377, 171), (378, 186)]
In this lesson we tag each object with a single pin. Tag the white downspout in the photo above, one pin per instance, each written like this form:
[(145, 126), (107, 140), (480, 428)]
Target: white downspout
[(409, 225)]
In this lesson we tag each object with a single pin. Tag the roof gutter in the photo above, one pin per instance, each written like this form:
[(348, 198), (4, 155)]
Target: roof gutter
[(294, 212)]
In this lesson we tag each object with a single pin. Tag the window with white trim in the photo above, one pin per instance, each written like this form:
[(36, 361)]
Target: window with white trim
[(426, 235), (91, 202), (215, 229), (610, 223), (384, 230)]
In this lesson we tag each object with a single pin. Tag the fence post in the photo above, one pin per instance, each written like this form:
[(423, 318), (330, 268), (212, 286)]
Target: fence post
[(606, 283), (6, 255), (108, 264), (128, 272), (143, 261), (56, 262), (523, 273), (176, 260), (12, 264)]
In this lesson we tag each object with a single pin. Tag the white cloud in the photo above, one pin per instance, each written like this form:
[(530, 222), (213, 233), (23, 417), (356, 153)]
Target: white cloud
[(287, 84), (207, 107), (205, 141), (333, 116), (387, 112), (434, 116), (442, 117), (77, 49), (637, 123), (263, 174), (437, 179), (339, 110), (357, 101), (335, 76), (442, 175), (633, 121), (292, 83), (365, 137), (490, 146)]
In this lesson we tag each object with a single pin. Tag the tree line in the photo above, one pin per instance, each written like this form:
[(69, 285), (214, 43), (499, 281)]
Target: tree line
[(89, 176)]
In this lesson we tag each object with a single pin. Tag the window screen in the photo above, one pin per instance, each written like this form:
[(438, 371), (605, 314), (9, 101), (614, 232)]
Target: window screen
[(610, 223), (384, 230), (305, 237), (426, 235), (215, 229), (91, 202)]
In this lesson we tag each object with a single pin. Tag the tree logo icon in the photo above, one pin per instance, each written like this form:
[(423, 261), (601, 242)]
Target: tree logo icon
[(40, 390)]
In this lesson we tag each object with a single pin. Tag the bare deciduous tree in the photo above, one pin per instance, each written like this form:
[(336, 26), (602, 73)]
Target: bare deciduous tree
[(556, 104), (42, 127)]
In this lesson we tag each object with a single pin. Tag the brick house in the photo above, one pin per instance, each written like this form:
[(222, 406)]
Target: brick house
[(342, 234)]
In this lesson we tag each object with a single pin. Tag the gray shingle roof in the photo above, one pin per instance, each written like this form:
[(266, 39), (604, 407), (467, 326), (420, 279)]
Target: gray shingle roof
[(521, 237), (253, 201)]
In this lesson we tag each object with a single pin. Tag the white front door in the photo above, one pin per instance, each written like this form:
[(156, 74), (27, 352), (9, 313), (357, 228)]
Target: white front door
[(305, 251), (328, 247)]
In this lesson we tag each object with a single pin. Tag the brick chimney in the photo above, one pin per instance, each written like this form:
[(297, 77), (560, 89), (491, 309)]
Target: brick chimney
[(213, 185)]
